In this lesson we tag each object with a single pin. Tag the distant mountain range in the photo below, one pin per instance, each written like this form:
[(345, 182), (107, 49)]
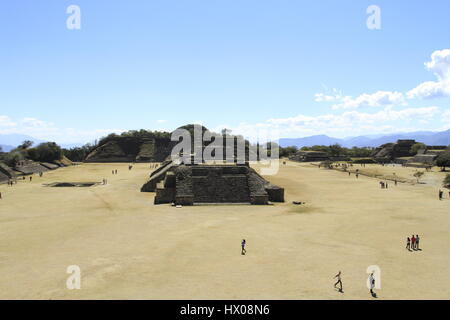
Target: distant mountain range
[(6, 148), (427, 137), (10, 141)]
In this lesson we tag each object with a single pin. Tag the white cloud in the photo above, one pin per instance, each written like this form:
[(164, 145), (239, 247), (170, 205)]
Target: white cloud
[(161, 121), (6, 122), (377, 99), (323, 97), (440, 66), (346, 124)]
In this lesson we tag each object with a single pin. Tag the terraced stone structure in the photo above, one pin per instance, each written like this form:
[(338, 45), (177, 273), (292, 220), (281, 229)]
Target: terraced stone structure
[(6, 173), (426, 157), (132, 149), (204, 183), (27, 167), (310, 156), (390, 151)]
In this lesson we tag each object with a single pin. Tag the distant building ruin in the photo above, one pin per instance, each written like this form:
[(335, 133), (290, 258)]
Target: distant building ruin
[(389, 151), (426, 157), (310, 156)]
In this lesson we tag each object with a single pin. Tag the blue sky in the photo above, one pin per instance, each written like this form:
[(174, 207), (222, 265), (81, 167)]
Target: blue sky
[(298, 67)]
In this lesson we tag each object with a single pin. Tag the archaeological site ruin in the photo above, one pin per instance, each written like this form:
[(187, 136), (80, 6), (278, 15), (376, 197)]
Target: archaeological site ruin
[(190, 184)]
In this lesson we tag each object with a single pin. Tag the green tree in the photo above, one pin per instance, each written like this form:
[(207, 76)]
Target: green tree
[(288, 151), (13, 157), (416, 147), (336, 150), (443, 160), (46, 152), (78, 154), (25, 145), (418, 175)]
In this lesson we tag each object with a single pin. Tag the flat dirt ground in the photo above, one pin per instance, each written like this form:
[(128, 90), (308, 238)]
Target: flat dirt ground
[(128, 248)]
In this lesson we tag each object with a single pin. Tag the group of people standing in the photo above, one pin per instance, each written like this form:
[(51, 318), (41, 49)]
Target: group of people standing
[(413, 243), (384, 185)]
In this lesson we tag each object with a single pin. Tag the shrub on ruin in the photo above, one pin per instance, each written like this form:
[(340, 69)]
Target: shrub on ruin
[(416, 147)]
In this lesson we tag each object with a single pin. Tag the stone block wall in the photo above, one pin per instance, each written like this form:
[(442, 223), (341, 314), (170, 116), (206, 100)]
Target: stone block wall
[(221, 188), (190, 184)]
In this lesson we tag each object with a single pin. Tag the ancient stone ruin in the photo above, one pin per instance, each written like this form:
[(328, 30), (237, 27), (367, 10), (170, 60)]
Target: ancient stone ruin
[(207, 183), (150, 148), (6, 173), (400, 152), (310, 156), (132, 149), (390, 151), (426, 157), (29, 167)]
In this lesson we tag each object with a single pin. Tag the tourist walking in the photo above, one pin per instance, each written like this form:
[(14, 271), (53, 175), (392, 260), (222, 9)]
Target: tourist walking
[(243, 251), (413, 242), (372, 284), (417, 242), (339, 281), (441, 193), (408, 244)]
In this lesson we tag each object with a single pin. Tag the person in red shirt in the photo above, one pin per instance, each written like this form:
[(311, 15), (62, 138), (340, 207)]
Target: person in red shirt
[(413, 242)]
